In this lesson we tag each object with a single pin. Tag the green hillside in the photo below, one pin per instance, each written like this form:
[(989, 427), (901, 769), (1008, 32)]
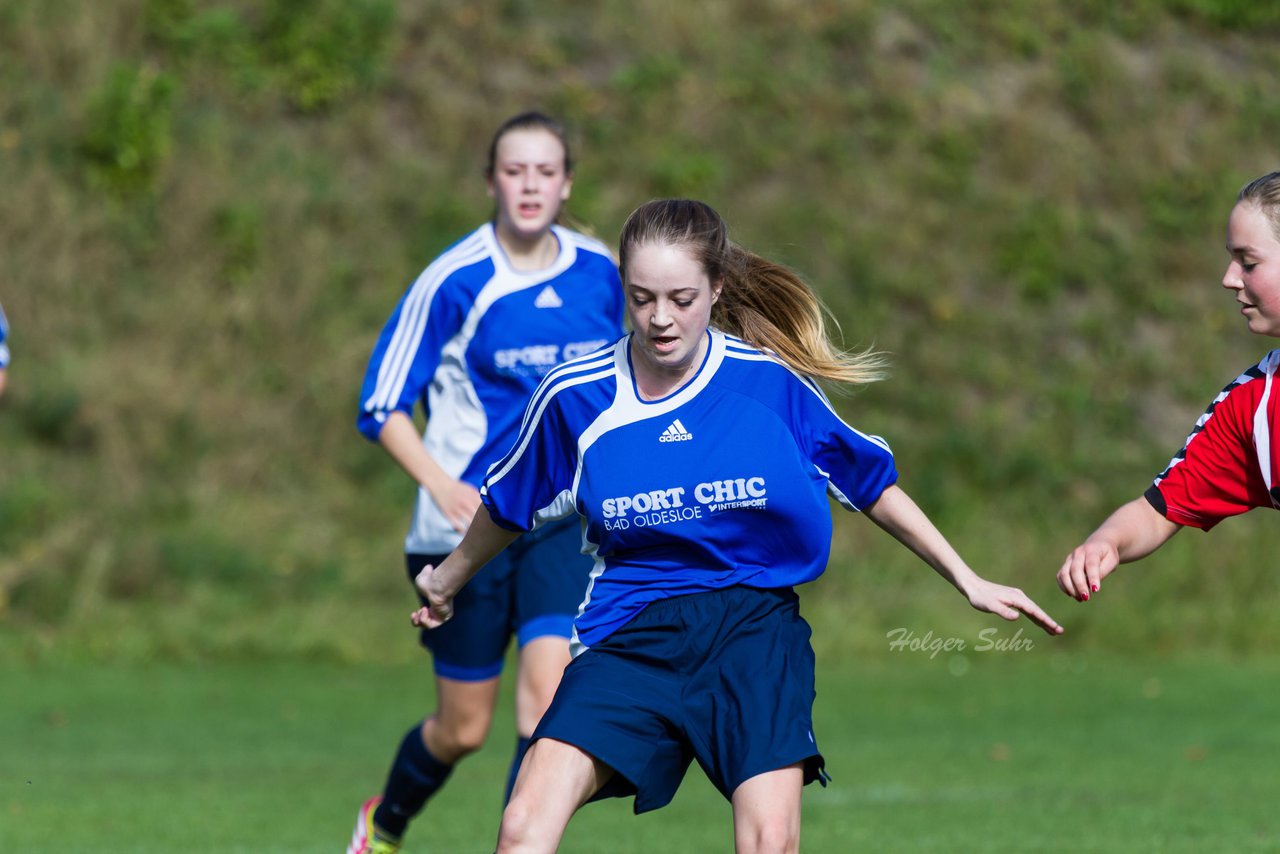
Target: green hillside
[(209, 208)]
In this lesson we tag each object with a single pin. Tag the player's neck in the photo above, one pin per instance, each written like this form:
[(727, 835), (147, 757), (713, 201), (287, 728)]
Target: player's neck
[(655, 381), (527, 254)]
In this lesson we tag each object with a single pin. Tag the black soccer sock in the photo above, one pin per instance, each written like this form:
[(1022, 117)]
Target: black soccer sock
[(522, 746), (415, 776)]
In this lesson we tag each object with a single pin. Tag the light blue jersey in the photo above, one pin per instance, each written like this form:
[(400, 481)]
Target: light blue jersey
[(4, 339), (471, 339), (722, 483)]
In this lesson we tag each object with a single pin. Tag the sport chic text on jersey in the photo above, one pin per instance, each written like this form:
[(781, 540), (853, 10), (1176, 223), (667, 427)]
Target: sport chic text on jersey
[(668, 505)]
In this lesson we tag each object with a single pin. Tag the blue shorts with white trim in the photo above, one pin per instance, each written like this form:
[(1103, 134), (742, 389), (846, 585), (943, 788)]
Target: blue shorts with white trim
[(532, 589), (725, 677)]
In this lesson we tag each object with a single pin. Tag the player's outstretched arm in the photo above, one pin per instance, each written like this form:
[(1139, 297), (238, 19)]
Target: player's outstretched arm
[(1134, 531), (439, 584), (895, 512)]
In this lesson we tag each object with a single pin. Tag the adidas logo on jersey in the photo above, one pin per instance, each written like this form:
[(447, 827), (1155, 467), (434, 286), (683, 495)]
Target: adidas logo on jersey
[(675, 433), (548, 298)]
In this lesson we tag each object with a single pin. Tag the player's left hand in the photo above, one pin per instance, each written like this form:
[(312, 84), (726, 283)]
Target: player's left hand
[(439, 608), (1010, 603)]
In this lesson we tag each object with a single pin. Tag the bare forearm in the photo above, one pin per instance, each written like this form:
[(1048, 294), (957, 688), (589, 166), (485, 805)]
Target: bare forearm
[(900, 516), (457, 500), (897, 514), (1135, 530), (482, 542), (400, 439)]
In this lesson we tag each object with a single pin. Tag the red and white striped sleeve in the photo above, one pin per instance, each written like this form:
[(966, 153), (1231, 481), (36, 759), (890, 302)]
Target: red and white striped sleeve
[(1229, 464)]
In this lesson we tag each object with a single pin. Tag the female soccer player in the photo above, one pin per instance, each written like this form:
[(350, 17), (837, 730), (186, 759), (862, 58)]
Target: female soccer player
[(471, 339), (1231, 461), (699, 453)]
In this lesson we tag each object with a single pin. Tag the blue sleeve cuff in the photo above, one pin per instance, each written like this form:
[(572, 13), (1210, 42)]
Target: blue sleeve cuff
[(370, 424)]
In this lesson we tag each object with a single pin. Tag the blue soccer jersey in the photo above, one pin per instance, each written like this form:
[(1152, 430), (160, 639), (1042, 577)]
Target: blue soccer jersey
[(4, 338), (722, 483), (471, 339)]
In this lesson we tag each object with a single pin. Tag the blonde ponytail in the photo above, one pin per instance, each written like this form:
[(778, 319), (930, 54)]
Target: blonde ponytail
[(770, 306)]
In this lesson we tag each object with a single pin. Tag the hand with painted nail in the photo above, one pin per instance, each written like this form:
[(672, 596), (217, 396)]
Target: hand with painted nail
[(1132, 532), (1083, 570)]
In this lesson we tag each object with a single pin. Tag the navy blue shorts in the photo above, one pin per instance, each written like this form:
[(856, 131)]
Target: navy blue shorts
[(724, 677), (532, 589)]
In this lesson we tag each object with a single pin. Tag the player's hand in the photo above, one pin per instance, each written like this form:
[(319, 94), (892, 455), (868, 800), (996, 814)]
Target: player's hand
[(459, 504), (439, 608), (1010, 603), (1083, 570)]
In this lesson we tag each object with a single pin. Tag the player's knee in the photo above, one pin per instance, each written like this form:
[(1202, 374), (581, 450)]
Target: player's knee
[(470, 737), (778, 836), (460, 736), (518, 831)]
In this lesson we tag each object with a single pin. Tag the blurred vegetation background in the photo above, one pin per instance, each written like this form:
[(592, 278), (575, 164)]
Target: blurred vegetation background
[(210, 207)]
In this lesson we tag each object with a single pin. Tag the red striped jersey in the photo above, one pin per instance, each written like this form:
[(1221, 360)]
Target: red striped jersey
[(1231, 461)]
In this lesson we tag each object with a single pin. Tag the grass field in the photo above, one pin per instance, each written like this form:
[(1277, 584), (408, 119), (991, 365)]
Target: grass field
[(210, 207), (1031, 750)]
